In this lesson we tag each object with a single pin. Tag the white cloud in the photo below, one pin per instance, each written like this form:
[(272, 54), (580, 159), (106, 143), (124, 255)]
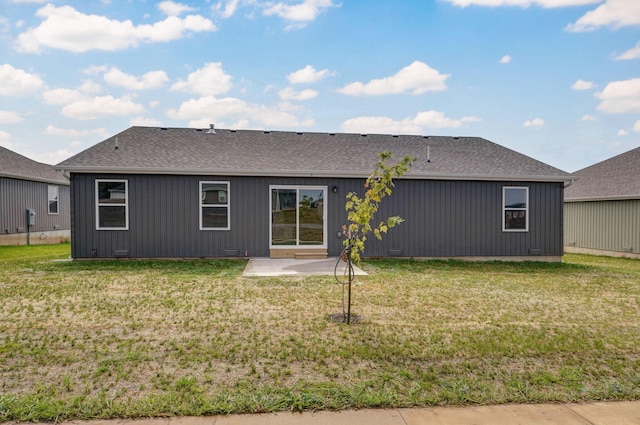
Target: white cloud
[(588, 118), (101, 106), (52, 158), (65, 96), (90, 87), (636, 126), (505, 59), (620, 96), (308, 74), (583, 85), (522, 3), (290, 94), (67, 29), (622, 133), (535, 123), (69, 132), (145, 122), (62, 96), (227, 9), (4, 137), (208, 80), (149, 80), (633, 53), (612, 13), (17, 82), (171, 8), (210, 109), (409, 125), (301, 13), (9, 117), (415, 79)]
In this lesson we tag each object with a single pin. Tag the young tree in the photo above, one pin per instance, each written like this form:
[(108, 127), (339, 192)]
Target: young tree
[(361, 211)]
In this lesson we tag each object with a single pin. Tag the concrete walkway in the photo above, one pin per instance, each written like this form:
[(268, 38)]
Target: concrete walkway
[(600, 413), (292, 267)]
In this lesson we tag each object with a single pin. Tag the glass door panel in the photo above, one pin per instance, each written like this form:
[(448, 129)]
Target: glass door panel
[(283, 217), (311, 216)]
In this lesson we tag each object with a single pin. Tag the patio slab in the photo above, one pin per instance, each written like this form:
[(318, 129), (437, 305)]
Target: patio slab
[(293, 267)]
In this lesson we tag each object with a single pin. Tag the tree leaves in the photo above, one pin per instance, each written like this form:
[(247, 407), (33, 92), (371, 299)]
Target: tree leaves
[(361, 211)]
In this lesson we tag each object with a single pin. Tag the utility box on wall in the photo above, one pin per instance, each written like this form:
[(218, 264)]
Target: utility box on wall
[(31, 217)]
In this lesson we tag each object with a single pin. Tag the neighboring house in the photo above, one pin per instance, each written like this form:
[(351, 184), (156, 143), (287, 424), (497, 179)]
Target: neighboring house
[(602, 208), (27, 185), (203, 193)]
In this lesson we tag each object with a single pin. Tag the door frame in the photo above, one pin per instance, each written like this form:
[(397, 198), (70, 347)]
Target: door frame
[(297, 246)]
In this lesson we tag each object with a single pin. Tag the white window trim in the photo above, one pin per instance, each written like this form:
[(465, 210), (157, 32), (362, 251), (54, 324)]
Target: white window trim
[(324, 212), (126, 203), (227, 205), (57, 199), (504, 208)]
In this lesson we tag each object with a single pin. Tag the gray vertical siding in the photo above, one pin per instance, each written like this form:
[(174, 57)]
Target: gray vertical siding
[(16, 196), (603, 225), (443, 218)]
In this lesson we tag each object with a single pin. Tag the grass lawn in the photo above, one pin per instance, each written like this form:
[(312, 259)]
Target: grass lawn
[(115, 339)]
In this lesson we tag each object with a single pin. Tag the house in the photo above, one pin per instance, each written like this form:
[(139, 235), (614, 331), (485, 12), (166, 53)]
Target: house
[(34, 202), (602, 208), (184, 193)]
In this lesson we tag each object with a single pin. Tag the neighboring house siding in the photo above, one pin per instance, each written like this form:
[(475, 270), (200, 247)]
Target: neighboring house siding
[(16, 196), (443, 218), (603, 225)]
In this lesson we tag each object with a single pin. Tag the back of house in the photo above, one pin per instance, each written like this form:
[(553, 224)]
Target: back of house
[(34, 201), (151, 192)]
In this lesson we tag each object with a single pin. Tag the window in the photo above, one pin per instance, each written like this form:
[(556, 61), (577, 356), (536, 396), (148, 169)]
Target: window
[(515, 206), (214, 205), (112, 205), (53, 193)]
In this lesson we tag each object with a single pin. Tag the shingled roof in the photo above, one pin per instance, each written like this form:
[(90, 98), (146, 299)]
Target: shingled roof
[(614, 178), (16, 166), (278, 153)]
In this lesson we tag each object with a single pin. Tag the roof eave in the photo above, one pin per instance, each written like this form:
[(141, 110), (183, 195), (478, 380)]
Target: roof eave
[(603, 198), (34, 179), (305, 173)]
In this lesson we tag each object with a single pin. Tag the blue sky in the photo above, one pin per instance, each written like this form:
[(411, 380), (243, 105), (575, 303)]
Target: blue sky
[(558, 80)]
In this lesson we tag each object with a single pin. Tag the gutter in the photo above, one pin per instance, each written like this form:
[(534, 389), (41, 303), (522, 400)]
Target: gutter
[(605, 198), (303, 173), (35, 179)]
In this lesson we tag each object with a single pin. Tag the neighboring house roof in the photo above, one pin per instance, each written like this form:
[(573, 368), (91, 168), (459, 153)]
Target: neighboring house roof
[(278, 153), (614, 178), (16, 166)]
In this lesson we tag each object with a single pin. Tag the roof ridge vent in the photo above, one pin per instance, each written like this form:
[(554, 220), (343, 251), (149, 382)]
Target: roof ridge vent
[(212, 129)]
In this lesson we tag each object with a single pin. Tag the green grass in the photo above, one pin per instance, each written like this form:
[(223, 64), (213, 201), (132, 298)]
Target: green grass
[(120, 339)]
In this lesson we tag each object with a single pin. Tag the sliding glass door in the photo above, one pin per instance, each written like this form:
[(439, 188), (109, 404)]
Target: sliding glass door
[(298, 216)]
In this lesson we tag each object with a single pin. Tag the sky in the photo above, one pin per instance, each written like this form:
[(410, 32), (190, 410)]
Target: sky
[(558, 80)]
